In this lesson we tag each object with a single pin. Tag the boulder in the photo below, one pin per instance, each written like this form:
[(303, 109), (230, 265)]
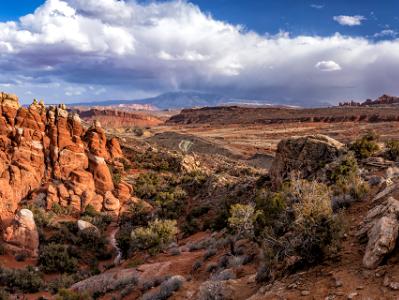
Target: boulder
[(382, 240), (83, 225), (111, 203), (303, 157), (123, 191), (107, 281), (380, 227), (22, 236)]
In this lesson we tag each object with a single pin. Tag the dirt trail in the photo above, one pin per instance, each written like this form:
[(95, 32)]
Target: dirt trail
[(114, 244)]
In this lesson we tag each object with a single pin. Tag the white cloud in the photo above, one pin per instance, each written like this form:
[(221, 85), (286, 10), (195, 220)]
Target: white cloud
[(317, 6), (386, 33), (349, 20), (328, 66), (127, 49)]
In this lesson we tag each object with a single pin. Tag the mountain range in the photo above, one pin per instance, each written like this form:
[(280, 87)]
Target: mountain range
[(188, 99)]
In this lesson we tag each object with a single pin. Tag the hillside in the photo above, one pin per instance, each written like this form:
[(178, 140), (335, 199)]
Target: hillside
[(272, 115)]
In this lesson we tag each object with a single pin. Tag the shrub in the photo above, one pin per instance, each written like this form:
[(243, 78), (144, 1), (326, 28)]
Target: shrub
[(175, 251), (263, 274), (211, 267), (155, 237), (138, 131), (196, 265), (242, 218), (346, 180), (314, 201), (57, 258), (27, 280), (272, 206), (224, 275), (91, 240), (123, 239), (311, 232), (392, 150), (116, 175), (209, 253), (60, 210), (366, 146), (346, 169), (4, 295), (146, 186), (62, 282), (170, 203), (316, 229), (90, 211), (42, 217), (65, 294), (166, 290)]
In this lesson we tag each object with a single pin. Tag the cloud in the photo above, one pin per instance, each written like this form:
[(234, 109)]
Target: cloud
[(349, 20), (317, 6), (72, 50), (386, 33), (328, 66)]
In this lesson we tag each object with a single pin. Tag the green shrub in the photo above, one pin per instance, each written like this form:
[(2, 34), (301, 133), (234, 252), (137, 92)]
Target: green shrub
[(346, 169), (366, 146), (242, 219), (62, 282), (42, 217), (146, 185), (60, 210), (91, 241), (170, 203), (115, 174), (56, 258), (271, 204), (155, 237), (65, 294), (27, 280), (310, 231), (392, 150)]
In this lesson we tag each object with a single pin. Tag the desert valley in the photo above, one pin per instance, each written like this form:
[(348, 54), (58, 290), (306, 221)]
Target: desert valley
[(199, 150), (210, 203)]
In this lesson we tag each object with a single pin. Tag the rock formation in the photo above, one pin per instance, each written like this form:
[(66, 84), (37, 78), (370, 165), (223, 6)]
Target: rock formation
[(303, 156), (380, 227), (46, 154), (22, 235)]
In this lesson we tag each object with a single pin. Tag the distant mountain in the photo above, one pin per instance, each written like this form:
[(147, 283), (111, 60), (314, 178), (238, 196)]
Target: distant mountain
[(177, 100), (167, 100)]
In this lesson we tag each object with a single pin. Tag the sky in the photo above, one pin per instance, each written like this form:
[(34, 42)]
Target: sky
[(279, 51)]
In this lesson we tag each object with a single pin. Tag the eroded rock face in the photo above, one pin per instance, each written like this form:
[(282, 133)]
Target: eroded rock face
[(382, 240), (381, 227), (22, 235), (303, 156), (47, 152)]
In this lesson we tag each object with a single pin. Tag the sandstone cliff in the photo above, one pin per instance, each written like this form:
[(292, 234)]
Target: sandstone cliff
[(47, 156)]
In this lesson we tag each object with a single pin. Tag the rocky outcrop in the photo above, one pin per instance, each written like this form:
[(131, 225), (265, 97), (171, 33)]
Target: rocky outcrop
[(380, 227), (117, 118), (303, 156), (84, 225), (47, 152), (22, 236)]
